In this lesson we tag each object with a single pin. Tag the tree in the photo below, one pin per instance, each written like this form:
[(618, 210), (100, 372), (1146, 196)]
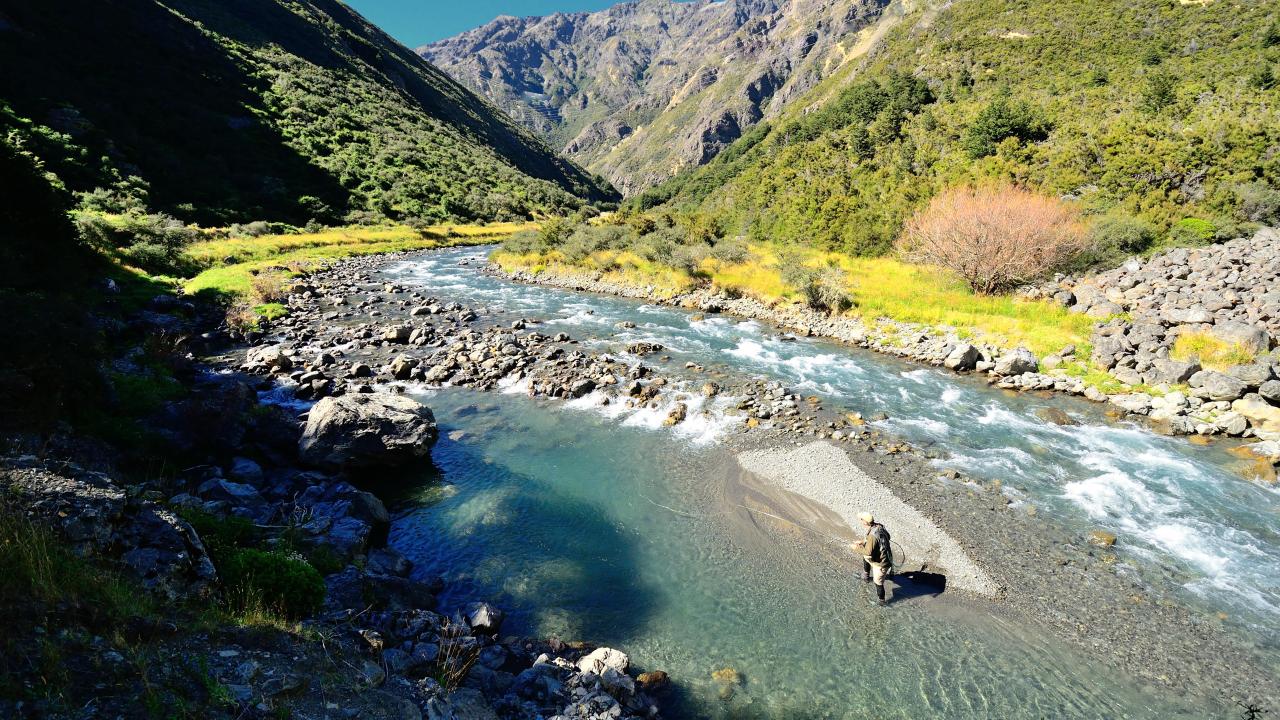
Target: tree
[(995, 238), (1002, 119), (1159, 92)]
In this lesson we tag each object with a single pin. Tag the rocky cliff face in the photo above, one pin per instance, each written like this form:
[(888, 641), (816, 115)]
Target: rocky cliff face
[(643, 89)]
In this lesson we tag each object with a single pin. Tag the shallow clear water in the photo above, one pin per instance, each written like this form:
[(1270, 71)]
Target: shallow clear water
[(554, 513), (1184, 518)]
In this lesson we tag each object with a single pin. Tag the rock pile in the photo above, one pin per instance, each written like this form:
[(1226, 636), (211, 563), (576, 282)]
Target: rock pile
[(96, 516), (1228, 294)]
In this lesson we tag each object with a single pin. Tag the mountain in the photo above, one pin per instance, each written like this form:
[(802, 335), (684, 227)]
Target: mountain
[(1160, 118), (645, 89), (244, 109)]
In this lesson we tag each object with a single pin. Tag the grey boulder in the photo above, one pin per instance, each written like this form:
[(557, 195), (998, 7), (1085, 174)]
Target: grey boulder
[(1016, 362), (1214, 385), (366, 430)]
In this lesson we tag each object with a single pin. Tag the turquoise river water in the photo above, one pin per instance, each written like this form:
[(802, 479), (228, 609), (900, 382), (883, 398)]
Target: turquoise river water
[(552, 510)]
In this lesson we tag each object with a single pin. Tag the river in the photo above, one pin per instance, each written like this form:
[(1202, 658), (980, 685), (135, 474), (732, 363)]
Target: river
[(597, 523)]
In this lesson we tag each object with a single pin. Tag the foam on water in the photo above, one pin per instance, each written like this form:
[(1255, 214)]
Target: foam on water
[(1148, 489)]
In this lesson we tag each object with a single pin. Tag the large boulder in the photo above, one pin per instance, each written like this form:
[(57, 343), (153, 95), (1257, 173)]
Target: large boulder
[(1016, 362), (1263, 416), (1173, 372), (1213, 385), (365, 431), (963, 356), (1250, 337)]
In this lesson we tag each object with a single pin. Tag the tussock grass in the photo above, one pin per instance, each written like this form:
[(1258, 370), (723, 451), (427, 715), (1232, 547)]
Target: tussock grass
[(1212, 353)]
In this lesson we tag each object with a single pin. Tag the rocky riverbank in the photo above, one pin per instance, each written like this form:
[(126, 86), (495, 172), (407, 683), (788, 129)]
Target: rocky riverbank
[(352, 332), (1223, 295), (1180, 398)]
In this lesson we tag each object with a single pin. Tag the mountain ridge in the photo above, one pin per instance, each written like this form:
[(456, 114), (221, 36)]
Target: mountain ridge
[(641, 90), (268, 103)]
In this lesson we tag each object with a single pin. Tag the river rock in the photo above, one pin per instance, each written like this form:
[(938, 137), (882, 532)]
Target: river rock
[(1250, 337), (1263, 416), (1016, 362), (484, 618), (1214, 385), (962, 357), (369, 430), (268, 357), (604, 658), (1270, 390), (1253, 375), (1172, 372), (1055, 416)]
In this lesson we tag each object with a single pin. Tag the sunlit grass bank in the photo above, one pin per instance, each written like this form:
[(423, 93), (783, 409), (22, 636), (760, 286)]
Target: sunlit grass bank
[(880, 287), (233, 263)]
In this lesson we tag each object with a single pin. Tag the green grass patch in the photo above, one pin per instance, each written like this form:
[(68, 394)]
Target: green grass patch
[(271, 311), (1211, 352), (881, 288), (233, 263)]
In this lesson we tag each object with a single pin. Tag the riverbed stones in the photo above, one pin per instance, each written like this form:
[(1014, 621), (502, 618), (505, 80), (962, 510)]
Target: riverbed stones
[(1251, 338), (1263, 416), (1213, 385), (1016, 362), (963, 356), (1169, 371), (364, 431)]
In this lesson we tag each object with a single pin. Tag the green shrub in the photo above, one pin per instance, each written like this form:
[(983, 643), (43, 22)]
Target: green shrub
[(524, 242), (1118, 234), (1192, 231), (1003, 118), (220, 535), (1159, 93), (730, 251), (1263, 79), (279, 582), (1257, 202)]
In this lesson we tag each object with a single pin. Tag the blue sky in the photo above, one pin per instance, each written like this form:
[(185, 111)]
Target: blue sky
[(417, 22)]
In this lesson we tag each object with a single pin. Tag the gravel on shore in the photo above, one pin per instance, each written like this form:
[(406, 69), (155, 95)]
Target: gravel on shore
[(823, 473)]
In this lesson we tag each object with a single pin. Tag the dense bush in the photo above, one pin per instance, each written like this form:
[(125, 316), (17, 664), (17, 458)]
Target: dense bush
[(995, 238), (257, 579), (1257, 202), (1003, 118), (825, 288), (1192, 231), (1159, 142), (1119, 234)]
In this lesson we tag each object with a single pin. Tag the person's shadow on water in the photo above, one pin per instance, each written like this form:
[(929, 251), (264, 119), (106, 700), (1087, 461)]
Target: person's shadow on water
[(918, 583)]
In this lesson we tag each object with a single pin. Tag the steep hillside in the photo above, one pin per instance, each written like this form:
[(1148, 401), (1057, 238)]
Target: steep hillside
[(243, 109), (644, 89), (1160, 118)]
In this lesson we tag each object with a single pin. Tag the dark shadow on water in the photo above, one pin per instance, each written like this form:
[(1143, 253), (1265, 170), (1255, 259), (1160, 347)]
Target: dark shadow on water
[(534, 550), (918, 583)]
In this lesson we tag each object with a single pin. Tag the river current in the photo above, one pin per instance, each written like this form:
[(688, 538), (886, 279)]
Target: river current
[(596, 522)]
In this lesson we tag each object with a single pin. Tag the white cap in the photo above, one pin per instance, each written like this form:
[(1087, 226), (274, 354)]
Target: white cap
[(866, 517)]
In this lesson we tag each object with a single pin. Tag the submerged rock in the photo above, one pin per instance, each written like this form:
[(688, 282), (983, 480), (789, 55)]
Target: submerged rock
[(370, 430)]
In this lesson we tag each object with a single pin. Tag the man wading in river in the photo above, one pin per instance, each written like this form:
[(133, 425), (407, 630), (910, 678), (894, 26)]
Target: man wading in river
[(877, 554)]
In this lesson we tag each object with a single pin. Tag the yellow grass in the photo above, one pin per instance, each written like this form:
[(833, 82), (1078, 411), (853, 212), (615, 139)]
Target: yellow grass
[(881, 288), (1212, 353), (234, 261)]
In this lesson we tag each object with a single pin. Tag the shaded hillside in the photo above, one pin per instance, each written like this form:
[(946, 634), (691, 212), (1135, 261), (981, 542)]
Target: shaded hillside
[(643, 89), (1160, 118), (242, 109)]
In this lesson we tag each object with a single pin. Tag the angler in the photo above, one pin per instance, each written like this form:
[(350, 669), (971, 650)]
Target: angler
[(876, 550)]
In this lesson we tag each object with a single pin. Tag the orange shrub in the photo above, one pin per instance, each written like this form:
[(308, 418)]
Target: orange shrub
[(995, 238)]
